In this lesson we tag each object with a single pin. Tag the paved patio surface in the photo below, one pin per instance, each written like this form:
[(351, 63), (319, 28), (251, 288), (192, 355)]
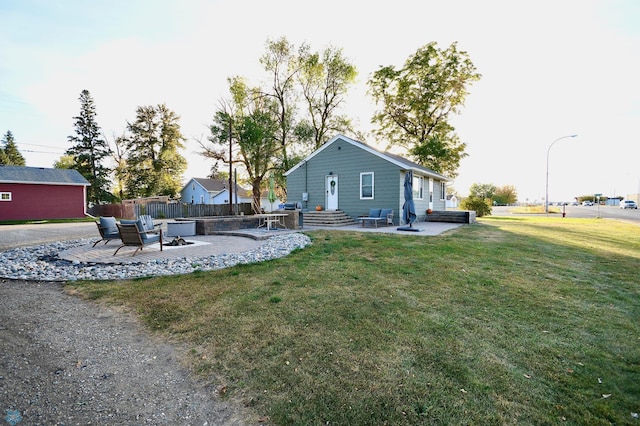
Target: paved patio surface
[(201, 246), (12, 236)]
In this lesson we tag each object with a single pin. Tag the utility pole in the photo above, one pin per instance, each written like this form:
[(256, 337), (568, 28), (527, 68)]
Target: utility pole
[(230, 170)]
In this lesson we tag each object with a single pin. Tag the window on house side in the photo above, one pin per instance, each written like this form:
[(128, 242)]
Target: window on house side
[(5, 196), (366, 186), (443, 191), (418, 187)]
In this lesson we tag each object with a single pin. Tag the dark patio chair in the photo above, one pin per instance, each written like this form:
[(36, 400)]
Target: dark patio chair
[(107, 226), (134, 235)]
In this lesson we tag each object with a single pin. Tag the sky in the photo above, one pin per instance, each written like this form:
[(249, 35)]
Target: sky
[(550, 69)]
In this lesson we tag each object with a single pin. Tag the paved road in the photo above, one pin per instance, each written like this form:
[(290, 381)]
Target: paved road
[(608, 212), (12, 236)]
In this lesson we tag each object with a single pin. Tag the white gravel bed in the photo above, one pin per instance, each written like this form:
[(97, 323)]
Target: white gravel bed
[(41, 262)]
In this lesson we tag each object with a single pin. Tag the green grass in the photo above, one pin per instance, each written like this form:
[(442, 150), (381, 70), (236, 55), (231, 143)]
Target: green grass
[(36, 222), (529, 320)]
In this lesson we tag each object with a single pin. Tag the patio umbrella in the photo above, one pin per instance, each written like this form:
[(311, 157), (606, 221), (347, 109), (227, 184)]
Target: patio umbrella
[(272, 192), (408, 208)]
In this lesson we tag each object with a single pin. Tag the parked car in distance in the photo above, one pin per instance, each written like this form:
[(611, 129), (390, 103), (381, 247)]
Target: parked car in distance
[(628, 204), (587, 203)]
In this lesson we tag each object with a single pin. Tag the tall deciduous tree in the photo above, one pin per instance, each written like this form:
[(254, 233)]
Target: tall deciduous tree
[(155, 165), (9, 153), (417, 100), (248, 124), (282, 61), (90, 150), (325, 79)]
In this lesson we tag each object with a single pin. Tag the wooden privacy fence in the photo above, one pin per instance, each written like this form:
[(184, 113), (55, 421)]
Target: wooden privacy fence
[(167, 211), (123, 211)]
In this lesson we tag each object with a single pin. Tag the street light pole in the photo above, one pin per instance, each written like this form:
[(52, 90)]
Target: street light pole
[(546, 194)]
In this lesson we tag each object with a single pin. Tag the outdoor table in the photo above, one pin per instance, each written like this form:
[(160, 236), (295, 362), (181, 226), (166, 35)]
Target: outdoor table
[(272, 220)]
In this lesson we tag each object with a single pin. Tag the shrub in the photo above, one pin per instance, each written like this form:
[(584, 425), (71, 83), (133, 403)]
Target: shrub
[(481, 206)]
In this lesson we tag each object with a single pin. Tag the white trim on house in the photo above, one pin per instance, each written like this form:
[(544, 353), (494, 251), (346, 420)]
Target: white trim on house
[(373, 185)]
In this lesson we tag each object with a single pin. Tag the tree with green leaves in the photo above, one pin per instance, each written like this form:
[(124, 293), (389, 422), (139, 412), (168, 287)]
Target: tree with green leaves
[(505, 195), (482, 190), (90, 150), (325, 78), (248, 124), (9, 153), (65, 162), (282, 61), (416, 103), (155, 165)]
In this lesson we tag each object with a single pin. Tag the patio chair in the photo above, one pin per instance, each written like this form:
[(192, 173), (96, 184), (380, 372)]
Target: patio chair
[(134, 235), (108, 229)]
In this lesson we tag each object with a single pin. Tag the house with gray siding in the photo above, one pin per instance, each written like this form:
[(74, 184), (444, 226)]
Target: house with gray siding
[(351, 176)]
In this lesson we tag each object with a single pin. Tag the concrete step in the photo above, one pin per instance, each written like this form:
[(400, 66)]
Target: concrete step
[(327, 218)]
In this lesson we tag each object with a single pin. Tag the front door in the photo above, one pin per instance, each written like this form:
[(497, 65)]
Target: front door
[(332, 192), (430, 193)]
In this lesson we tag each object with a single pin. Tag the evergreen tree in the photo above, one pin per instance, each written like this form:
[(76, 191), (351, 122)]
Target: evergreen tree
[(155, 165), (90, 150), (10, 155)]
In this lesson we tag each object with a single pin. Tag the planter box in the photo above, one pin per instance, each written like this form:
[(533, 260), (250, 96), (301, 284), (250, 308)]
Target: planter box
[(183, 228)]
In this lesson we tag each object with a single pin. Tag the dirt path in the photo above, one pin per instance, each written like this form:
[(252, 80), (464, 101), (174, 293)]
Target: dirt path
[(67, 361)]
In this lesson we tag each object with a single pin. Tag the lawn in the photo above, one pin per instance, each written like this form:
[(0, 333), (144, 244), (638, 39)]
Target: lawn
[(524, 320)]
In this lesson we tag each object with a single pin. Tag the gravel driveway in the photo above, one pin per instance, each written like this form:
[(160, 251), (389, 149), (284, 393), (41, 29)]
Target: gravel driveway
[(67, 361)]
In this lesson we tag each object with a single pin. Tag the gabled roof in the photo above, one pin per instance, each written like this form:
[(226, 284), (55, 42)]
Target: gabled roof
[(41, 175), (392, 158), (217, 186)]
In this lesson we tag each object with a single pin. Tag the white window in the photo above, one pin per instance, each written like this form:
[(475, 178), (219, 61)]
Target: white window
[(443, 191), (5, 196), (418, 187), (366, 186)]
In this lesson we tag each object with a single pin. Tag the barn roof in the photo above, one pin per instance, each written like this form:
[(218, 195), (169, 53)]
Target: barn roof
[(41, 175)]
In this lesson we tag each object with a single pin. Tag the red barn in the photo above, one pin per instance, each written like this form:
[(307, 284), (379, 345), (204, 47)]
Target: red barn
[(36, 193)]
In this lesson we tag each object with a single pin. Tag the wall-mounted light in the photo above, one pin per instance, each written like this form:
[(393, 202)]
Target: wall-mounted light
[(330, 173)]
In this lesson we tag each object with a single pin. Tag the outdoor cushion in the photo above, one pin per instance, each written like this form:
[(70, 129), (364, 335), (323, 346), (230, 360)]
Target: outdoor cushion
[(147, 221), (385, 212), (128, 221), (374, 212), (147, 237), (108, 225)]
